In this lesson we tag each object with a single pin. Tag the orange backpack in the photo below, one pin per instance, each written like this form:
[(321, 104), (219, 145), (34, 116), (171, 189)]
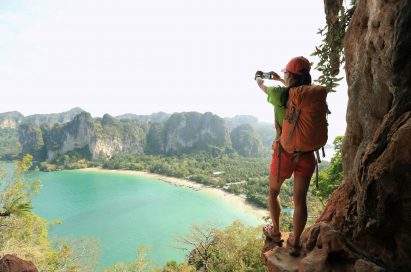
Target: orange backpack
[(305, 126)]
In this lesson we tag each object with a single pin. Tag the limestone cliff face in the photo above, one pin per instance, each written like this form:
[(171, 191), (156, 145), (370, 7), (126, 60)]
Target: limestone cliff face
[(101, 138), (10, 119), (53, 118), (193, 131), (246, 141), (8, 123), (77, 134), (31, 139), (114, 137), (376, 193), (369, 216)]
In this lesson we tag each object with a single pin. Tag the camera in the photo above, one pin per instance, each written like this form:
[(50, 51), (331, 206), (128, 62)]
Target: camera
[(266, 76), (263, 75)]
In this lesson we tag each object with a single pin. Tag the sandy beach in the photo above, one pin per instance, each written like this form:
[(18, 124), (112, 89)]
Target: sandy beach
[(235, 200)]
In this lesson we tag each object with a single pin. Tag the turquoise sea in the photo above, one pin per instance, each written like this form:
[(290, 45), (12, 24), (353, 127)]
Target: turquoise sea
[(125, 211)]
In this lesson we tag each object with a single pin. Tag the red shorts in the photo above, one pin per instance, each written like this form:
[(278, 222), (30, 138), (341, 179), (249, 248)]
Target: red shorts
[(305, 165)]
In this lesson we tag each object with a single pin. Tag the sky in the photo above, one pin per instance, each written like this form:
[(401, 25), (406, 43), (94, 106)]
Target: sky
[(131, 56)]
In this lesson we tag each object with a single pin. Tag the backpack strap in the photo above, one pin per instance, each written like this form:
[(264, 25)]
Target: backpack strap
[(293, 119), (317, 161)]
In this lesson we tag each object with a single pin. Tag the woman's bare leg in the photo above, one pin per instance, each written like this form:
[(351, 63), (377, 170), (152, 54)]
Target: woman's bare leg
[(301, 185), (274, 204)]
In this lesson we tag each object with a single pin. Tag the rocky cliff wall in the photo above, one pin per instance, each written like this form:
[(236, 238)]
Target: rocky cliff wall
[(10, 119), (189, 131), (376, 205), (366, 225)]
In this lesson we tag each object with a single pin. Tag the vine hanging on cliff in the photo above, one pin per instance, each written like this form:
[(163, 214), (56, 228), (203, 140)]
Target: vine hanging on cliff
[(330, 52)]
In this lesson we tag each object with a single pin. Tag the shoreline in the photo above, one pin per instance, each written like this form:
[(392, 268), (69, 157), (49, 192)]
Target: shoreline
[(237, 201)]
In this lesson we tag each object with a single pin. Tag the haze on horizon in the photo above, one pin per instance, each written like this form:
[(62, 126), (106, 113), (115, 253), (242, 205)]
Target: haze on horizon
[(138, 57)]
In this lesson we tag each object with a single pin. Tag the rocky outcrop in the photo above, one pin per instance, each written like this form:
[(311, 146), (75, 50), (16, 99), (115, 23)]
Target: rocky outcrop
[(53, 118), (155, 139), (376, 151), (371, 209), (191, 131), (11, 263), (239, 120), (100, 138), (324, 249), (155, 117), (246, 141), (114, 137), (77, 134), (31, 139), (10, 119)]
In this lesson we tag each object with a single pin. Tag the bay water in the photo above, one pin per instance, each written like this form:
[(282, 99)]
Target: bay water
[(125, 211)]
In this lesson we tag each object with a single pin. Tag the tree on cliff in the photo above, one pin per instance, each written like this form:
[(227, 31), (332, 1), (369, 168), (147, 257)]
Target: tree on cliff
[(235, 248)]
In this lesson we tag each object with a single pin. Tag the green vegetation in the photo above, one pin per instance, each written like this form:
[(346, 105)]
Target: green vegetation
[(110, 127), (141, 264), (10, 146), (330, 51), (26, 234), (331, 177), (235, 174), (32, 142), (235, 248), (246, 141), (53, 118)]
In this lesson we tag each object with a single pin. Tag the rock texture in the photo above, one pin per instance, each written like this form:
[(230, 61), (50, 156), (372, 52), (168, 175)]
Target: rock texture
[(324, 249), (371, 211), (94, 138), (53, 118), (11, 263), (376, 198), (114, 137), (50, 136), (155, 117), (10, 119), (246, 141), (189, 131), (31, 139)]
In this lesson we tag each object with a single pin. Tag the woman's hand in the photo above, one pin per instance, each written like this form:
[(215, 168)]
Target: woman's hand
[(258, 74), (275, 76)]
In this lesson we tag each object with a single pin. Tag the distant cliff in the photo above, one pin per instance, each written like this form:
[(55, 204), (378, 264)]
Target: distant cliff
[(77, 134), (246, 141), (50, 136), (94, 138), (10, 119), (186, 132), (53, 118), (117, 136)]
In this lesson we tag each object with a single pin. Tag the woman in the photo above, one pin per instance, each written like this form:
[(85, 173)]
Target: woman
[(283, 164)]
